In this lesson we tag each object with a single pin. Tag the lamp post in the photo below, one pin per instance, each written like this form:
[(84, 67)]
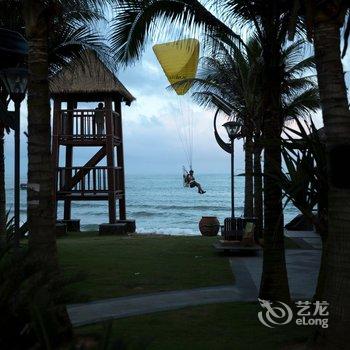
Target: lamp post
[(15, 80), (233, 128)]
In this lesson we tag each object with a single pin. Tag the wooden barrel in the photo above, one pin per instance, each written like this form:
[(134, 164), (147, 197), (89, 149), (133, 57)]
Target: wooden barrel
[(209, 225)]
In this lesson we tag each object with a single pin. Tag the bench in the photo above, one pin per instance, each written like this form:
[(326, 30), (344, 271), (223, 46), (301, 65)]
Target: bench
[(234, 228)]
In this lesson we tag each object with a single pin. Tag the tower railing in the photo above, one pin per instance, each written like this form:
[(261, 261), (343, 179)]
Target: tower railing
[(93, 181), (83, 124)]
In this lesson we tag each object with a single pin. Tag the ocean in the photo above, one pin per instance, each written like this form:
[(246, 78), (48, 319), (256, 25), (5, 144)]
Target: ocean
[(160, 204)]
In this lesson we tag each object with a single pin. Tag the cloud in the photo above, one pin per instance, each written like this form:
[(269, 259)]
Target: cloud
[(151, 137), (151, 125)]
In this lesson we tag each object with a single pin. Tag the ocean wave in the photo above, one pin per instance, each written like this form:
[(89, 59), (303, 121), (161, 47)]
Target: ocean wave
[(144, 214), (191, 207), (87, 204), (185, 207), (90, 227), (175, 231)]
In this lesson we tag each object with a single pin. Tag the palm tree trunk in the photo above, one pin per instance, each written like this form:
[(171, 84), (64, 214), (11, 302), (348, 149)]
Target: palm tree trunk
[(2, 188), (41, 221), (248, 189), (322, 273), (3, 101), (336, 117), (321, 227), (41, 218), (274, 280), (258, 190)]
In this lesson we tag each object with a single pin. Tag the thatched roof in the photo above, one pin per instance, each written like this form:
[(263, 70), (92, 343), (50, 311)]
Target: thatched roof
[(90, 77)]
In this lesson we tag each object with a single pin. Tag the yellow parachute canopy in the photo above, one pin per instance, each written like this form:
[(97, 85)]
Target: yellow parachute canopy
[(179, 60)]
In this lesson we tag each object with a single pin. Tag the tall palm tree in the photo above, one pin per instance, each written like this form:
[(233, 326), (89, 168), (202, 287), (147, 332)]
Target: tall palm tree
[(135, 20), (323, 21), (70, 35), (39, 16), (40, 175), (3, 107), (227, 80), (2, 184), (232, 79)]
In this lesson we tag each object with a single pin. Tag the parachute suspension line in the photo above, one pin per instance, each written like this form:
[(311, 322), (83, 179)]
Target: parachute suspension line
[(181, 119), (189, 116), (183, 128), (179, 61), (179, 123), (186, 121), (191, 129)]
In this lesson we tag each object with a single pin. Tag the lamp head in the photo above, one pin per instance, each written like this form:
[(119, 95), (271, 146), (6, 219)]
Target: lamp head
[(233, 128), (15, 81)]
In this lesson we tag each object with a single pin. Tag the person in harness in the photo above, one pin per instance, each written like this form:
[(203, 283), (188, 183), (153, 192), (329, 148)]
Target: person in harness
[(191, 181)]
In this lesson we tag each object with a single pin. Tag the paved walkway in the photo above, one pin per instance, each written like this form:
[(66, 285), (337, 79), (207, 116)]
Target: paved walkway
[(305, 239), (302, 268), (82, 314)]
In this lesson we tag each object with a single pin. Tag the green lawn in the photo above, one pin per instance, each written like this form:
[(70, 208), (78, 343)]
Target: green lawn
[(114, 266), (217, 326)]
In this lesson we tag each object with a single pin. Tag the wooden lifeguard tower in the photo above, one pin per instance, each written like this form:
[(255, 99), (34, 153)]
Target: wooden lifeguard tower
[(90, 81)]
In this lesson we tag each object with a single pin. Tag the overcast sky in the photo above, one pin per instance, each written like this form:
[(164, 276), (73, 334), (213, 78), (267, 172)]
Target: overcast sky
[(151, 136), (151, 139)]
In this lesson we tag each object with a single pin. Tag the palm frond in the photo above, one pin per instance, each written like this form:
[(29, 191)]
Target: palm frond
[(70, 42), (71, 32), (305, 181), (211, 100), (346, 35), (134, 23), (302, 105), (302, 65)]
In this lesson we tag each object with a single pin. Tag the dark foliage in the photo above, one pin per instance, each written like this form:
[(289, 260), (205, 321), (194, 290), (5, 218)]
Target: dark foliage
[(305, 180), (71, 28), (31, 297)]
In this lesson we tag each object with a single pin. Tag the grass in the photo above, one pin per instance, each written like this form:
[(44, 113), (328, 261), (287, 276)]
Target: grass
[(216, 326), (117, 266)]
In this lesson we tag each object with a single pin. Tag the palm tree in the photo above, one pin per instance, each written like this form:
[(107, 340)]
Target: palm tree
[(40, 175), (336, 118), (232, 78), (135, 20), (323, 21), (3, 107), (41, 218), (2, 187), (70, 35), (228, 81), (305, 183), (39, 18)]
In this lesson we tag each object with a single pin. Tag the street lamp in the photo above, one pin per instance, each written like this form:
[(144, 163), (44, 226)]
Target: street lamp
[(233, 128), (15, 81)]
